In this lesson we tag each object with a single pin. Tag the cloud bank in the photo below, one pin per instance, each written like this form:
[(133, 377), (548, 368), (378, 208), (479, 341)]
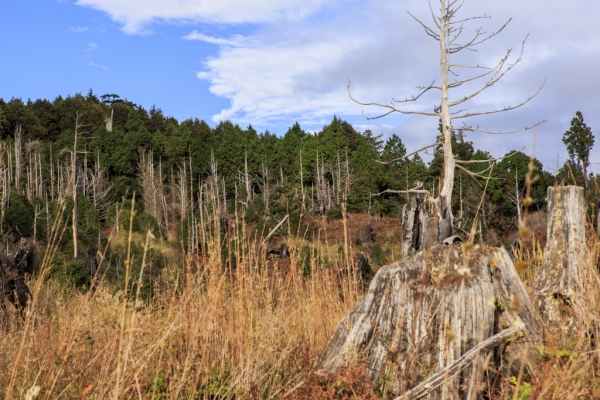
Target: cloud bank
[(297, 62), (137, 15)]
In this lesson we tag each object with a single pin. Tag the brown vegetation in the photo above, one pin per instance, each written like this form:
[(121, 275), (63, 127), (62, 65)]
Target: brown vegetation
[(249, 332)]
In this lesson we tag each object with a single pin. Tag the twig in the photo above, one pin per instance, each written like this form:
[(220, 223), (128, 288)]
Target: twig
[(410, 154)]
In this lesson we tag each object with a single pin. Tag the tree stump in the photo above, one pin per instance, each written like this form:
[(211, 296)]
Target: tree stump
[(422, 314), (420, 230), (416, 226), (560, 275)]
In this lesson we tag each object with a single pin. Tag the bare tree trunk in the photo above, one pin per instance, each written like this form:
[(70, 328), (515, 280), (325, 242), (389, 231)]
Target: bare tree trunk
[(109, 121), (74, 184), (302, 183), (18, 151), (4, 184), (518, 199), (421, 315), (51, 175)]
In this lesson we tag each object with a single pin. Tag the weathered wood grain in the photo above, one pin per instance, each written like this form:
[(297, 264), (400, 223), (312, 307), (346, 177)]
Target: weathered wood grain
[(422, 314)]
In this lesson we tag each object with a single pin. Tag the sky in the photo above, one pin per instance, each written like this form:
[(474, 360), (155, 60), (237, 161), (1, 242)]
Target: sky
[(270, 63)]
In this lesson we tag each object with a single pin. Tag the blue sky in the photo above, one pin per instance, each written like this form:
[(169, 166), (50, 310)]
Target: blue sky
[(273, 62)]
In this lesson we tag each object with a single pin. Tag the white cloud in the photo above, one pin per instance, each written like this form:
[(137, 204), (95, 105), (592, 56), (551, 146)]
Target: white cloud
[(281, 80), (91, 46), (135, 15), (79, 29), (297, 71), (296, 64), (93, 64), (236, 40)]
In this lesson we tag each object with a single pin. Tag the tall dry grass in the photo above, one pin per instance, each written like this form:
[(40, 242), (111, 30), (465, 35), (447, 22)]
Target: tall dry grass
[(210, 332), (253, 331)]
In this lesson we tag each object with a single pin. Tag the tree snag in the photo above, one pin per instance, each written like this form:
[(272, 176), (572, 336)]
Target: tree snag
[(422, 314), (447, 29), (560, 276)]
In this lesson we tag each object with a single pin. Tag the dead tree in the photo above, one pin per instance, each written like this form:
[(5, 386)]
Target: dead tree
[(447, 30), (13, 268), (561, 278), (423, 314), (18, 156)]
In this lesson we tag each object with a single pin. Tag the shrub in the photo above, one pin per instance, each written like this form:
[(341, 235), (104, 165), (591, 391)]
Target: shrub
[(19, 215), (333, 214), (255, 210), (73, 273), (377, 255)]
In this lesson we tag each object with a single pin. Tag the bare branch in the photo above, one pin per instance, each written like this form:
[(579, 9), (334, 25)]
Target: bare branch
[(416, 191), (477, 174), (503, 109), (457, 161), (433, 16), (462, 81), (475, 42), (469, 19), (478, 129), (498, 71), (390, 107), (428, 30), (467, 66), (410, 154), (459, 111), (424, 89)]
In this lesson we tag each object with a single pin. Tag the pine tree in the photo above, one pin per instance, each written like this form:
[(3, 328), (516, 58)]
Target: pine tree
[(579, 140)]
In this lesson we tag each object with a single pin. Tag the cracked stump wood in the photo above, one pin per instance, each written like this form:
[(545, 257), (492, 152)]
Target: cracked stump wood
[(422, 227), (422, 314)]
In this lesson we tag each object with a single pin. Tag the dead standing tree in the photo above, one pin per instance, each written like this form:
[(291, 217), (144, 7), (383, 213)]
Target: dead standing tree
[(425, 315), (448, 30)]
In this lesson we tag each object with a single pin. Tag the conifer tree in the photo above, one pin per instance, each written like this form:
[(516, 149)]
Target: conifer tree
[(579, 141)]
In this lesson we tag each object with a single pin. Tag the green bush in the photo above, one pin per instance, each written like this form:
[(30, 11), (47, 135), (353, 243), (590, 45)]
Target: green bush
[(73, 273), (255, 210), (305, 256), (377, 255), (19, 215), (333, 214)]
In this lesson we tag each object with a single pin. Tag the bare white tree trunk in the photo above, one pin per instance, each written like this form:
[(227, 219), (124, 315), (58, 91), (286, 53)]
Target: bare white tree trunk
[(4, 184), (74, 185), (109, 121), (18, 156)]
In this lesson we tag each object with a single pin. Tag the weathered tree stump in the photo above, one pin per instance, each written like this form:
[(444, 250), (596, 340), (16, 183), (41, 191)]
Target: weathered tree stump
[(422, 227), (560, 275), (13, 268), (422, 314), (365, 236)]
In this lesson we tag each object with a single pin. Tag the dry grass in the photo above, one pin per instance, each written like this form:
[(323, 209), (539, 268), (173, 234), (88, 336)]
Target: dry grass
[(249, 332), (217, 333)]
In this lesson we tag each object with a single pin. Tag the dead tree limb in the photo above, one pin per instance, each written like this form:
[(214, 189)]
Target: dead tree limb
[(274, 229), (448, 373)]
